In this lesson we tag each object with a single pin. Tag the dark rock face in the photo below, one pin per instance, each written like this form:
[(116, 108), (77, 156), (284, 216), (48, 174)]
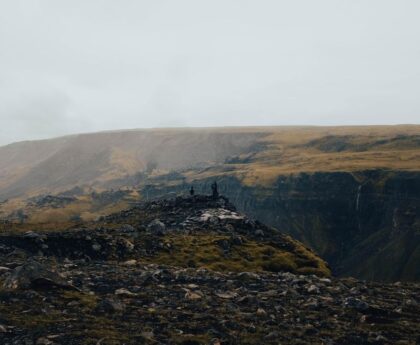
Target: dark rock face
[(364, 224)]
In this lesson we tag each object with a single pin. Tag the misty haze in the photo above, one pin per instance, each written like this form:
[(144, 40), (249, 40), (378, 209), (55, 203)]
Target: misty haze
[(208, 172)]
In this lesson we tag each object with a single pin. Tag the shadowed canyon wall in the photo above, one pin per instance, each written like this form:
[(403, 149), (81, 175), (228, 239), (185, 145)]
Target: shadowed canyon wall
[(365, 224)]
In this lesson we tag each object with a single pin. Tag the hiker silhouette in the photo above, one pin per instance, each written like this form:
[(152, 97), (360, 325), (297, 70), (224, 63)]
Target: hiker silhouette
[(215, 193)]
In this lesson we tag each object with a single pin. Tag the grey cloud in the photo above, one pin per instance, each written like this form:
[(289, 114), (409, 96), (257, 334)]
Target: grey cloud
[(36, 115), (71, 66)]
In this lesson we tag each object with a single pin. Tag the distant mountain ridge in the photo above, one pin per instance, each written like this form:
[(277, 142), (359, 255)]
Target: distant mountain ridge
[(258, 154), (58, 164)]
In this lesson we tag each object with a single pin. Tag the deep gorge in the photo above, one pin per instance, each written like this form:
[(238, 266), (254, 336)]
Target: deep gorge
[(365, 224)]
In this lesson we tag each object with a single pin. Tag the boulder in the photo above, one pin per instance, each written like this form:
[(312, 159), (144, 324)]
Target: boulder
[(110, 306), (156, 227), (355, 303), (33, 275)]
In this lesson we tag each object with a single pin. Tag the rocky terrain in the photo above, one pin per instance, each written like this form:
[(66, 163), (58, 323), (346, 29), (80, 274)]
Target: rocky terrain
[(189, 270)]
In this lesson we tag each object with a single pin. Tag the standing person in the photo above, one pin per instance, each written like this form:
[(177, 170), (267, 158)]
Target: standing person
[(192, 191), (215, 193)]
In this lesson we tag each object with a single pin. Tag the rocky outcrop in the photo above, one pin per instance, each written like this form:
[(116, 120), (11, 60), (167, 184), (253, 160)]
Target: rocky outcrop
[(365, 224), (198, 231)]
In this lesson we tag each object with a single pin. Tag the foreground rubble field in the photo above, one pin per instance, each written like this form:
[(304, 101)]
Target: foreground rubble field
[(111, 303), (188, 271)]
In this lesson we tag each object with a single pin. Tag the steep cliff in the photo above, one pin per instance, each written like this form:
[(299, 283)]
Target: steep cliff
[(365, 224)]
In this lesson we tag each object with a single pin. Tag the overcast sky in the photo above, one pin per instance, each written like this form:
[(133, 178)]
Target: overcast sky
[(80, 66)]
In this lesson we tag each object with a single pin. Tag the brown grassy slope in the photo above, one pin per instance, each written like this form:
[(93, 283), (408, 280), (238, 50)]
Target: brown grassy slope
[(91, 158), (256, 154), (310, 149), (81, 208)]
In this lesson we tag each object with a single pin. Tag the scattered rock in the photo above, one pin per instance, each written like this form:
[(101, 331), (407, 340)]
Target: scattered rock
[(4, 269), (355, 303), (259, 233), (261, 312), (156, 227), (110, 306), (313, 289), (96, 247), (227, 295), (127, 228), (124, 292), (127, 246), (44, 341), (248, 276), (193, 295)]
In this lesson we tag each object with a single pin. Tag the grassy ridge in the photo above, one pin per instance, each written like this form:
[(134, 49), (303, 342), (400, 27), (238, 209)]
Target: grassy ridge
[(204, 251)]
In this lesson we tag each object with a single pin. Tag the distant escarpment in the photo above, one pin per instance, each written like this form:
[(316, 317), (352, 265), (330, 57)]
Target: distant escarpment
[(365, 224)]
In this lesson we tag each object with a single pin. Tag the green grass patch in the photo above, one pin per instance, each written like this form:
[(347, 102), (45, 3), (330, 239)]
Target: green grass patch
[(204, 251)]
